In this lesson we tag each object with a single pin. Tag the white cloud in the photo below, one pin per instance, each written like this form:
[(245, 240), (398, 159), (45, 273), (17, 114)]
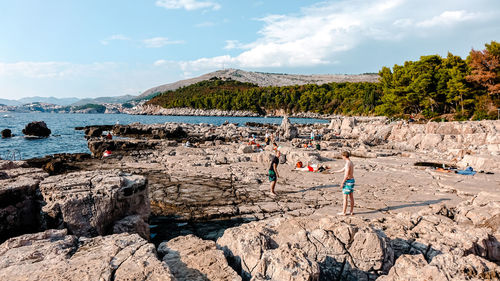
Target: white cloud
[(208, 63), (321, 33), (158, 42), (159, 62), (116, 37), (188, 5), (205, 24), (234, 44), (448, 18)]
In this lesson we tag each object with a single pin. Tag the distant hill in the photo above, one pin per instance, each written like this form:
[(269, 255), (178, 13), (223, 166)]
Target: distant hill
[(51, 100), (264, 79), (348, 98), (103, 100), (9, 102)]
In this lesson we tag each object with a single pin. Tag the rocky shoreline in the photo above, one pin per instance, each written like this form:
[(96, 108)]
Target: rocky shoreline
[(158, 209)]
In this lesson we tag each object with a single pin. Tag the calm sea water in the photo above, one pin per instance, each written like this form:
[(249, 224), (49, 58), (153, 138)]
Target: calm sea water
[(65, 139)]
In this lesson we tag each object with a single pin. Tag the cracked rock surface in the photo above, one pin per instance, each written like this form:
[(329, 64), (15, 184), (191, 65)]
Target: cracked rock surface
[(89, 203), (54, 255)]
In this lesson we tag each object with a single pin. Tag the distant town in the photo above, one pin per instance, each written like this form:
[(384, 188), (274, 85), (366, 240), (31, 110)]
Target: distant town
[(113, 108)]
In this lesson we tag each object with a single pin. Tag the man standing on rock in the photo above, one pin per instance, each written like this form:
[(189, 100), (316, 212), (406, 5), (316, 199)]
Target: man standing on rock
[(347, 183), (273, 170)]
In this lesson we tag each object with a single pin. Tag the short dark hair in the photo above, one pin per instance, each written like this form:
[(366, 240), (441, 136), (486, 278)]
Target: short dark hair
[(346, 154)]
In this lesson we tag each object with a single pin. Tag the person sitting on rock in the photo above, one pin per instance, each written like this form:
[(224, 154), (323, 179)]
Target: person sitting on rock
[(273, 171), (347, 182), (109, 136)]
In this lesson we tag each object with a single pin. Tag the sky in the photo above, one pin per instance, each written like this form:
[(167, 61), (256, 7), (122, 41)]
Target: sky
[(95, 48)]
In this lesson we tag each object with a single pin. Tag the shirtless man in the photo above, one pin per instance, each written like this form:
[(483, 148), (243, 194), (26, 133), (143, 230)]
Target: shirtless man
[(347, 183)]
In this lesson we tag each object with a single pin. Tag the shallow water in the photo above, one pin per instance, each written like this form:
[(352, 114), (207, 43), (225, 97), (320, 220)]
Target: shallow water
[(65, 139)]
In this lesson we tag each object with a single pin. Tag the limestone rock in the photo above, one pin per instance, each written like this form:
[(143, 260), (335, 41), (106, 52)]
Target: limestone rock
[(94, 132), (330, 244), (191, 258), (245, 149), (121, 146), (132, 224), (19, 200), (287, 130), (286, 263), (348, 125), (37, 128), (443, 267), (54, 255), (89, 203)]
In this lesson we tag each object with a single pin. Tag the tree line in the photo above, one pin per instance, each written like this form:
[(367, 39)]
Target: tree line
[(432, 87)]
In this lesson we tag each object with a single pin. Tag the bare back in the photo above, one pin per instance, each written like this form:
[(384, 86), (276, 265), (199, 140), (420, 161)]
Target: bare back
[(349, 169)]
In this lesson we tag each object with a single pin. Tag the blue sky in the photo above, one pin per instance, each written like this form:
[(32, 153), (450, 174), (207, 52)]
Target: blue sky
[(69, 48)]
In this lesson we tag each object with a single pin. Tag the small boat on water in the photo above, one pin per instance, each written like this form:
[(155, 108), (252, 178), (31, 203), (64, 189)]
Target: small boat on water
[(6, 116)]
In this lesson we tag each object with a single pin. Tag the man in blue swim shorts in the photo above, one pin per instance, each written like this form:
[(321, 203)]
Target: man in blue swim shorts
[(347, 183)]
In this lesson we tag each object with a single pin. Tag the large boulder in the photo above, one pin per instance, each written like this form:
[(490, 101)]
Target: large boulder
[(90, 203), (54, 255), (337, 249), (6, 133), (287, 130), (191, 258), (37, 129), (443, 267), (348, 125)]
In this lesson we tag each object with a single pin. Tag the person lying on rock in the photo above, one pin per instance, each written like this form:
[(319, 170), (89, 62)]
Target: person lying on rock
[(273, 171), (347, 182)]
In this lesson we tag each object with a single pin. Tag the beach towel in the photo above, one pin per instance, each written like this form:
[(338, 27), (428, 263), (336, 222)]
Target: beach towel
[(467, 171)]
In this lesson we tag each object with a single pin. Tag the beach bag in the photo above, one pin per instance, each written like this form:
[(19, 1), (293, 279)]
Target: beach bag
[(299, 164)]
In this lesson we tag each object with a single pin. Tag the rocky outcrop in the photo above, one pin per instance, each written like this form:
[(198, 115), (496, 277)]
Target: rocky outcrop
[(287, 130), (185, 111), (6, 133), (483, 210), (443, 267), (167, 131), (474, 144), (37, 129), (54, 255), (90, 203), (58, 163), (322, 250), (191, 258), (120, 146), (433, 242), (19, 199)]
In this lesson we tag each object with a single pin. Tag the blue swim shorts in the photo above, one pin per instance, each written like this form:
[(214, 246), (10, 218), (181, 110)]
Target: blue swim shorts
[(348, 187), (272, 176)]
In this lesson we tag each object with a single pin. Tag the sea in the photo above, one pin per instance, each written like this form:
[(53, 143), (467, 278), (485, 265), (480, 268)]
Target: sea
[(65, 139)]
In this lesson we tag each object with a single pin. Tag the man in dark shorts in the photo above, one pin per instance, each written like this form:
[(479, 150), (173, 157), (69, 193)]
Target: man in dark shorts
[(273, 171)]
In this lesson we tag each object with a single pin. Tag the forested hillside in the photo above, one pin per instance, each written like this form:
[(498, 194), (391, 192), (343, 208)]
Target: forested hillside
[(430, 87)]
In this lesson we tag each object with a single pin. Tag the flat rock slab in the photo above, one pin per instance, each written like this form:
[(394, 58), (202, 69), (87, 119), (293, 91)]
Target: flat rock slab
[(193, 259), (54, 255), (89, 203)]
